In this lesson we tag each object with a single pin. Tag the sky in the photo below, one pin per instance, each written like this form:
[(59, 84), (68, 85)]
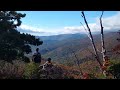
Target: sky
[(46, 23)]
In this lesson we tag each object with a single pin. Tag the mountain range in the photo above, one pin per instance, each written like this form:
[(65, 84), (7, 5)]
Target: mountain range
[(61, 47)]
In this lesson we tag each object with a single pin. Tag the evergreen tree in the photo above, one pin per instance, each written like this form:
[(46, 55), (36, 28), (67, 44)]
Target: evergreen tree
[(12, 43)]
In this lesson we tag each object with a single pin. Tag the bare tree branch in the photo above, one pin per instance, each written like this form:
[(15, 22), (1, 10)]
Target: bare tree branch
[(77, 61), (92, 41), (85, 30), (83, 27), (99, 51)]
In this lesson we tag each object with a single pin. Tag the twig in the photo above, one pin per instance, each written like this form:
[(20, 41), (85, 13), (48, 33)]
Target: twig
[(85, 30)]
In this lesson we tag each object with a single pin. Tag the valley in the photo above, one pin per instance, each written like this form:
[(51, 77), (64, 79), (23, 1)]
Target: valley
[(60, 47)]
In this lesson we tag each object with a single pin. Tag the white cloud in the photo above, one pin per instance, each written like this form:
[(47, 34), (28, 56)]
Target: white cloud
[(42, 32), (109, 23), (26, 27)]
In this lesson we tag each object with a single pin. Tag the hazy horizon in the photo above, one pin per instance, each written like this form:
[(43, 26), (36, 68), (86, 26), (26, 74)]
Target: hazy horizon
[(47, 23)]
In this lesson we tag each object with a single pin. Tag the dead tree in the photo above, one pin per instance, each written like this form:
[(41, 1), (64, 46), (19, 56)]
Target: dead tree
[(103, 45), (92, 40), (104, 56), (77, 61), (102, 39)]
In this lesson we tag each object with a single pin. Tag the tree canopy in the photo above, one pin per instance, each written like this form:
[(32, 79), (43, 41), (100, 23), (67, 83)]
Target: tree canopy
[(13, 44)]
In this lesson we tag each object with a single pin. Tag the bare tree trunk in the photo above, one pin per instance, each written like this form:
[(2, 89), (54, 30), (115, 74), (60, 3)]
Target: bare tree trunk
[(105, 58), (92, 41), (102, 39)]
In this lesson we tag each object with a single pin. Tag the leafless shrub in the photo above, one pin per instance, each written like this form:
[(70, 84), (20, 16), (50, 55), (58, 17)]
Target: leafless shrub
[(12, 70)]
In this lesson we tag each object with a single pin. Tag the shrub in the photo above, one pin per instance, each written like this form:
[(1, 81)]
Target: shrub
[(12, 70), (54, 72), (115, 70), (31, 71)]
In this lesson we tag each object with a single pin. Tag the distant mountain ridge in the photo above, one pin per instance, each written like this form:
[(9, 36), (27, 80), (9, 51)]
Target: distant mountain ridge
[(59, 47), (61, 37)]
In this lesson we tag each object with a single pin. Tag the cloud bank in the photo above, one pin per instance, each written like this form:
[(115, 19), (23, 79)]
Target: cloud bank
[(109, 23)]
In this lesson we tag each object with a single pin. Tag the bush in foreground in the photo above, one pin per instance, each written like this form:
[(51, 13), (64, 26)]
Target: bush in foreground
[(31, 71), (12, 70), (115, 70)]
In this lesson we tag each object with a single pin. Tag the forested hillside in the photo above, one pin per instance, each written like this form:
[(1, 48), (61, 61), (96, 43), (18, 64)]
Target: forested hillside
[(60, 50)]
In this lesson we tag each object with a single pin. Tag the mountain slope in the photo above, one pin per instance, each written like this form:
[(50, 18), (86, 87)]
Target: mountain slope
[(60, 47), (61, 50)]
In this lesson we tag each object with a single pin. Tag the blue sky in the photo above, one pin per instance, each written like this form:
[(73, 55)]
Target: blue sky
[(56, 22)]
